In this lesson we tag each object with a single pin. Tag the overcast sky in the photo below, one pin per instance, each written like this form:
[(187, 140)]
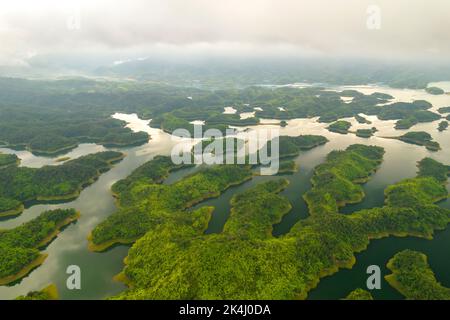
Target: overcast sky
[(406, 28)]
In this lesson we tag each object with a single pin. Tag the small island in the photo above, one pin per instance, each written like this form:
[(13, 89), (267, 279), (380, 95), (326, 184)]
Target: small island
[(341, 127), (48, 293), (420, 138), (444, 110), (443, 126), (20, 185), (412, 277), (336, 185), (434, 90), (359, 294), (366, 133), (362, 120), (20, 247)]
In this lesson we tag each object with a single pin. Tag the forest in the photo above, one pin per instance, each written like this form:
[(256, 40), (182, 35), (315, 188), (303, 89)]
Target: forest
[(20, 247), (421, 138), (8, 160), (174, 259), (336, 182), (146, 203), (20, 185), (48, 293), (412, 277), (34, 119), (340, 127), (359, 294)]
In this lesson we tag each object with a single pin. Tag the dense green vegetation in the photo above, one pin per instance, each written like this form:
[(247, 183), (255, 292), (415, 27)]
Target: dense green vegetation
[(444, 110), (340, 127), (19, 247), (48, 293), (421, 138), (443, 126), (362, 120), (151, 172), (22, 184), (431, 168), (415, 118), (291, 146), (174, 259), (8, 160), (434, 90), (359, 294), (145, 203), (365, 133), (336, 182), (413, 277)]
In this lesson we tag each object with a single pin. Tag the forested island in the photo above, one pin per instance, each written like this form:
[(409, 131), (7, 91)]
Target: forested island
[(444, 110), (172, 258), (443, 126), (20, 185), (434, 90), (336, 182), (412, 277), (341, 127), (20, 247), (362, 120), (420, 138), (48, 293), (366, 133), (359, 294), (145, 202)]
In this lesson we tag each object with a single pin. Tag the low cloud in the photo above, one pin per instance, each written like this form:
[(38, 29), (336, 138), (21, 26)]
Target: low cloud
[(408, 28)]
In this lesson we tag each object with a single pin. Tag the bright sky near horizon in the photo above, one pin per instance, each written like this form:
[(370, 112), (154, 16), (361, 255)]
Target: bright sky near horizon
[(375, 28)]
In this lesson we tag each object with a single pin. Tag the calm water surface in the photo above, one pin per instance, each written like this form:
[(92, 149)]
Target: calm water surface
[(96, 203)]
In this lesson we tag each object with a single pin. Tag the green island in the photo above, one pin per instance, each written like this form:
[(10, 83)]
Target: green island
[(366, 133), (444, 110), (288, 146), (430, 167), (174, 259), (443, 126), (359, 294), (292, 146), (434, 90), (362, 120), (62, 159), (420, 138), (146, 203), (39, 124), (7, 160), (336, 182), (341, 127), (48, 293), (413, 278), (415, 118), (20, 247), (20, 185)]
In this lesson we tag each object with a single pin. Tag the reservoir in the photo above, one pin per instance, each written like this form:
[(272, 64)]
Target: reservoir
[(95, 203)]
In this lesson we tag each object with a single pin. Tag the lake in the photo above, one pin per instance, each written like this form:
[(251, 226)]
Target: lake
[(96, 203)]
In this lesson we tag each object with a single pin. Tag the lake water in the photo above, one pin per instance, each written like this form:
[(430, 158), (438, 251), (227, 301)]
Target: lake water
[(96, 203)]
